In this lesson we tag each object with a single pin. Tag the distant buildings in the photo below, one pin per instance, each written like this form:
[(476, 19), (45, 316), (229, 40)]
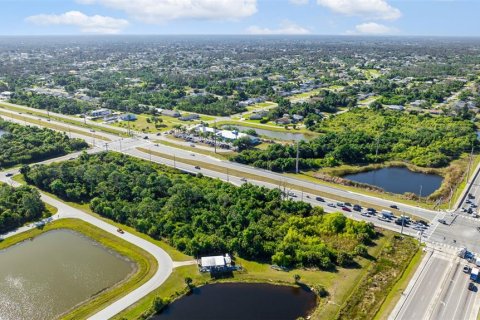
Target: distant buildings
[(226, 135), (5, 95), (128, 117), (190, 117), (169, 113), (100, 113)]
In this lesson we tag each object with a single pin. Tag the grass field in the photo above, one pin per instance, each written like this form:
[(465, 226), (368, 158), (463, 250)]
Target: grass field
[(146, 264)]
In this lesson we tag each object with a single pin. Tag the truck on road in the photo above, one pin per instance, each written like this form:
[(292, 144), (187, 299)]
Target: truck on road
[(474, 274)]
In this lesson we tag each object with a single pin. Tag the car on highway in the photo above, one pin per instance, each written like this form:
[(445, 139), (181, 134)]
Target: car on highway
[(394, 206), (9, 174), (291, 194), (371, 210), (319, 199), (192, 145), (468, 201), (197, 167), (243, 179), (425, 223), (442, 221), (348, 204), (332, 205), (471, 196), (365, 214), (357, 207), (472, 287), (346, 209), (466, 268), (340, 204)]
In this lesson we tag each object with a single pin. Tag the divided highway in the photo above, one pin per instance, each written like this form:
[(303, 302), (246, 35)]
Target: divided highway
[(438, 289)]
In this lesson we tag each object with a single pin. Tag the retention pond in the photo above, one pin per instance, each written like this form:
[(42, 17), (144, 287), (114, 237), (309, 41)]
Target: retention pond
[(239, 301), (47, 276), (399, 180)]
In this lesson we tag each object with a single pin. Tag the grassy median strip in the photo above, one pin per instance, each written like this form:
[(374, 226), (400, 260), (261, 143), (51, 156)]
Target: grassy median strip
[(380, 279), (146, 263), (222, 155), (79, 123), (279, 183), (53, 126)]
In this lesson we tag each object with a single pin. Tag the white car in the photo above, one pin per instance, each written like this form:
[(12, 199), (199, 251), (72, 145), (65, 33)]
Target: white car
[(331, 205)]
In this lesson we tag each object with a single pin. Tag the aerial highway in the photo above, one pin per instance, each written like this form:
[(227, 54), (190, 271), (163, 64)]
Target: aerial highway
[(438, 289)]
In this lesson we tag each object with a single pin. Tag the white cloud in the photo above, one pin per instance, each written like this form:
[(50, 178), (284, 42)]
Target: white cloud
[(298, 2), (372, 28), (88, 24), (286, 27), (160, 11), (371, 9)]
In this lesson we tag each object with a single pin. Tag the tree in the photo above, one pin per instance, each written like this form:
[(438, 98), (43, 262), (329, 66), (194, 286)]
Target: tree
[(243, 143), (296, 278)]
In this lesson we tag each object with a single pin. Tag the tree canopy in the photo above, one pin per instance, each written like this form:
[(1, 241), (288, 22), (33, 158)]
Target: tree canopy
[(203, 216), (19, 206), (26, 144), (364, 136)]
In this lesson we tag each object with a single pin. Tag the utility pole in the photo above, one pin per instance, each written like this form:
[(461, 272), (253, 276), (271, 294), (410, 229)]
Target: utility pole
[(106, 146), (296, 163), (215, 136)]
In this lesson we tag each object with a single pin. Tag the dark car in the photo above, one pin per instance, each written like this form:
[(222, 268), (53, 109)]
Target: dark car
[(320, 199), (346, 209), (348, 204), (9, 174), (425, 223), (371, 210), (197, 167), (471, 196), (472, 287), (357, 207), (394, 206)]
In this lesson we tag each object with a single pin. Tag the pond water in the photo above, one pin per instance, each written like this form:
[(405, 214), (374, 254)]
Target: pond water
[(287, 136), (399, 180), (45, 277), (240, 301)]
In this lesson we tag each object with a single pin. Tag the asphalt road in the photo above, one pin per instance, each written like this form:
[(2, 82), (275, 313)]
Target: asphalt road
[(119, 144), (422, 296), (430, 295)]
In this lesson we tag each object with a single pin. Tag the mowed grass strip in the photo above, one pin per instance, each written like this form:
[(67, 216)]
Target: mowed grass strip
[(79, 123), (53, 126), (281, 184), (146, 265)]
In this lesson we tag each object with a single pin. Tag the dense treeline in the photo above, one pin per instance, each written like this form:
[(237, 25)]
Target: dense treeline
[(54, 104), (19, 206), (211, 105), (201, 216), (364, 136), (26, 144)]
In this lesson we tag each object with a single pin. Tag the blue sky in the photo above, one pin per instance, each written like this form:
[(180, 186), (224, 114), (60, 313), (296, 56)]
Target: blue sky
[(328, 17)]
